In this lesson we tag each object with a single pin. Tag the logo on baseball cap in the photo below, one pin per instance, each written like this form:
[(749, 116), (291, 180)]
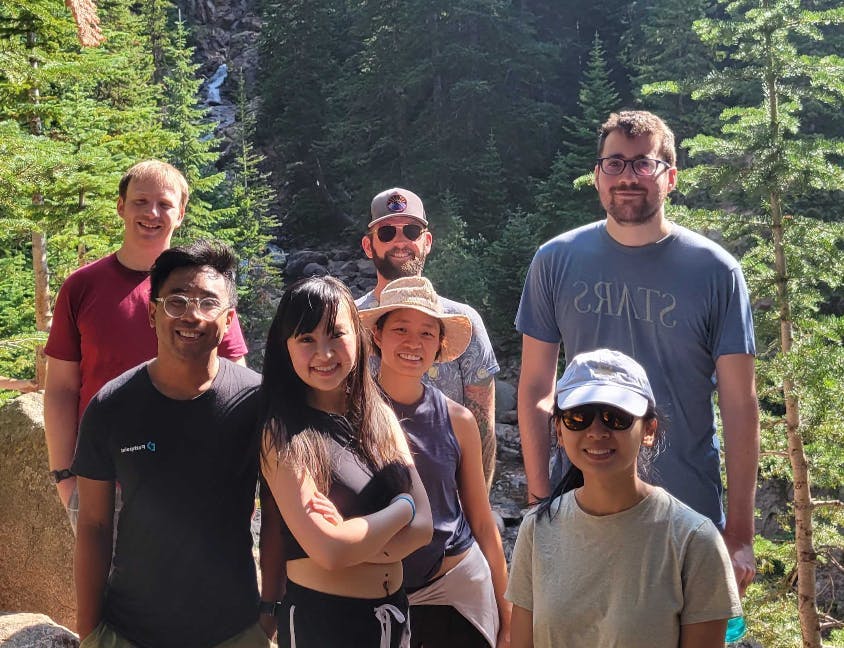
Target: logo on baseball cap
[(397, 202)]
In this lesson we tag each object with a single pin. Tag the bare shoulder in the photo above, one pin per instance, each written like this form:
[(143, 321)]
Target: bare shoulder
[(458, 413), (463, 423)]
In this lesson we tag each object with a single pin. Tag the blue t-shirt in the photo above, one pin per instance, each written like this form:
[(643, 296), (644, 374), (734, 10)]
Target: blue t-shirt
[(676, 306)]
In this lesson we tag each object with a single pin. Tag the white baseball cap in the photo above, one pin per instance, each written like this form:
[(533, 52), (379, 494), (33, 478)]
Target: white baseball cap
[(605, 376)]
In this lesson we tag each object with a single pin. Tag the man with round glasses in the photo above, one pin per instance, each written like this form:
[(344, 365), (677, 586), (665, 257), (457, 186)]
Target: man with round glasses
[(398, 242), (179, 434), (100, 327), (670, 298)]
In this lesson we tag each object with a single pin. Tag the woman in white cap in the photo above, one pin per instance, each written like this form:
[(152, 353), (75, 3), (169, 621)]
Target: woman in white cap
[(341, 474), (455, 584), (610, 560)]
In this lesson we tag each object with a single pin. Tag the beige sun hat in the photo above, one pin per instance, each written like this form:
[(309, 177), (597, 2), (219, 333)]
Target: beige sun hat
[(418, 293)]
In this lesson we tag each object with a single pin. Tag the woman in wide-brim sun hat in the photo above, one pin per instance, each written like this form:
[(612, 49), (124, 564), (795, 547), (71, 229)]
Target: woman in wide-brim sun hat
[(456, 584)]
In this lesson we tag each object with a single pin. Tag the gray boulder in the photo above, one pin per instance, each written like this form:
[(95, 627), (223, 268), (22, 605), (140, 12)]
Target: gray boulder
[(25, 630), (505, 398)]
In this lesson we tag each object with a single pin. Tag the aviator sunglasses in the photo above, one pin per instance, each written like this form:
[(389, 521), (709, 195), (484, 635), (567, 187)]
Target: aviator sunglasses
[(579, 418), (387, 233)]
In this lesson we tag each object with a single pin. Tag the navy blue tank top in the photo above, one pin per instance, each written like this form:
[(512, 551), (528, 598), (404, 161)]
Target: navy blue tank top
[(436, 454), (357, 489)]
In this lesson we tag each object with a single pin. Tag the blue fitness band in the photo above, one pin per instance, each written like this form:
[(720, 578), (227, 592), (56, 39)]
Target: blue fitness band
[(409, 501)]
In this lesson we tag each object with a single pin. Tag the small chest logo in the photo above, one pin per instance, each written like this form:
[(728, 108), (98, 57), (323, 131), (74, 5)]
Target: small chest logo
[(149, 446)]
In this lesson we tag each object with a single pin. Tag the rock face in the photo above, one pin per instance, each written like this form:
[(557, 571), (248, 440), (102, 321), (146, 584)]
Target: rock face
[(36, 561), (34, 631)]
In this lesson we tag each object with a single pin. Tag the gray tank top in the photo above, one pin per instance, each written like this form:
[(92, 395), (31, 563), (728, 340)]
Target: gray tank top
[(436, 453)]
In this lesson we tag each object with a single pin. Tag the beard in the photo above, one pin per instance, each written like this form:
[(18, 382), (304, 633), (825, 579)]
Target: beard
[(634, 212), (391, 269)]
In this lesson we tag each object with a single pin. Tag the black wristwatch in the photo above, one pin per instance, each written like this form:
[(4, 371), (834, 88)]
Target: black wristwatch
[(57, 476), (269, 607)]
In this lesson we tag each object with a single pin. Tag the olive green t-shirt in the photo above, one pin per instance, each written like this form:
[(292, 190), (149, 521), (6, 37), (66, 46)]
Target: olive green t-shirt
[(626, 580)]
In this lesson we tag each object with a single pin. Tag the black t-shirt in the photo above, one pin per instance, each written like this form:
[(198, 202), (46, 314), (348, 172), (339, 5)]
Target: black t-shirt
[(357, 488), (183, 572)]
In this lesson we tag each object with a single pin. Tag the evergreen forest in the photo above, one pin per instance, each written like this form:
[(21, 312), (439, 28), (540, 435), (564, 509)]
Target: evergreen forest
[(488, 109)]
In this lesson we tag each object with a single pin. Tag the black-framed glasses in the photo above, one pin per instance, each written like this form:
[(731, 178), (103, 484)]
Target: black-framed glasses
[(579, 418), (641, 166), (387, 233), (209, 308)]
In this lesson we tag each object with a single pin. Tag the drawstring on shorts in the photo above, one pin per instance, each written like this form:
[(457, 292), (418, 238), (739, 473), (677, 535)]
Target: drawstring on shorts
[(382, 613)]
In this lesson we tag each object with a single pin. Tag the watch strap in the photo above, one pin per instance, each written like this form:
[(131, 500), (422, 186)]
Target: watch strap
[(269, 607), (60, 475)]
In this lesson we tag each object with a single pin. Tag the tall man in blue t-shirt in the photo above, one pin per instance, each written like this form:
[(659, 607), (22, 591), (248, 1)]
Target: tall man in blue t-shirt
[(669, 297)]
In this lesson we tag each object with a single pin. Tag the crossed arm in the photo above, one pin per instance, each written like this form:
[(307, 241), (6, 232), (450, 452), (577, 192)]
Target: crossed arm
[(356, 540)]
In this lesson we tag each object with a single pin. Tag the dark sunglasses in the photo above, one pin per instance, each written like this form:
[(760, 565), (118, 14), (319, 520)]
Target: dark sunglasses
[(579, 418), (387, 233)]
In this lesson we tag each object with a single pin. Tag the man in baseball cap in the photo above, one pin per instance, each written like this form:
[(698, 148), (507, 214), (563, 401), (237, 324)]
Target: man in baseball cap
[(398, 242)]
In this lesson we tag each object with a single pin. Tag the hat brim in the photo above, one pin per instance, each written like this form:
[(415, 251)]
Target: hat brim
[(625, 399), (457, 328), (381, 219)]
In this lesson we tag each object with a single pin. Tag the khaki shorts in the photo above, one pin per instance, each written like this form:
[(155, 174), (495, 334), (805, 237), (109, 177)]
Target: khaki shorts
[(104, 636)]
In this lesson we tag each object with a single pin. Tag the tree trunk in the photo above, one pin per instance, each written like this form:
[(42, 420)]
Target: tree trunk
[(81, 250), (43, 312), (806, 556)]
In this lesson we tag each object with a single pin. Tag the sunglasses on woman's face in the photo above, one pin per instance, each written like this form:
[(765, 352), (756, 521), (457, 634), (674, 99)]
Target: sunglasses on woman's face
[(579, 418), (387, 233)]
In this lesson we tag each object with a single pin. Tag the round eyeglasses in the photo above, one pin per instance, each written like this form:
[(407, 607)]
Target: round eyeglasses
[(209, 308), (641, 166)]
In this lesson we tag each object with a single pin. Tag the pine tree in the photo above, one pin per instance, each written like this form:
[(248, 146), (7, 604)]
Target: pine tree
[(418, 112), (250, 223), (72, 120), (759, 164), (301, 49), (560, 204), (662, 41), (455, 266), (487, 194), (194, 153), (507, 260)]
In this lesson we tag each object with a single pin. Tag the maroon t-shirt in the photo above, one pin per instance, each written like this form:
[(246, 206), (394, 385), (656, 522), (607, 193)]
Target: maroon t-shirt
[(101, 320)]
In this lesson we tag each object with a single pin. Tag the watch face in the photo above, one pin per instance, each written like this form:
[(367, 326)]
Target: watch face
[(59, 475)]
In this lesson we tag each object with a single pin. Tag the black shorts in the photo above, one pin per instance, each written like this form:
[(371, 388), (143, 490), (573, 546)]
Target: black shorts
[(311, 619)]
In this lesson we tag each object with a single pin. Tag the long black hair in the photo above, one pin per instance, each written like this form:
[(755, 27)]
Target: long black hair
[(573, 477), (303, 306)]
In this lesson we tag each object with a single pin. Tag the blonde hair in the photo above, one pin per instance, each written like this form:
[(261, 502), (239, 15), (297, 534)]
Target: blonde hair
[(157, 171)]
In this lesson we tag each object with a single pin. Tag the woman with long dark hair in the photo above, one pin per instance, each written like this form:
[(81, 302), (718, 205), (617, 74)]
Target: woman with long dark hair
[(609, 559), (341, 474)]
